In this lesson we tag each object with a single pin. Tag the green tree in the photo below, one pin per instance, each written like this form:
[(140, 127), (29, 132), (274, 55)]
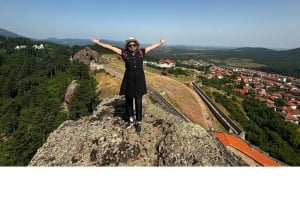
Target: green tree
[(32, 90), (279, 102), (84, 99)]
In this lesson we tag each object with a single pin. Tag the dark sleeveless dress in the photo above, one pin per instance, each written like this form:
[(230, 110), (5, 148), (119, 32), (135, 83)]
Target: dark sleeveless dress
[(134, 82)]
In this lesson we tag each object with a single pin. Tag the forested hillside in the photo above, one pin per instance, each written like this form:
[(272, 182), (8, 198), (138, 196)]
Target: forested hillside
[(285, 62), (33, 84), (9, 34)]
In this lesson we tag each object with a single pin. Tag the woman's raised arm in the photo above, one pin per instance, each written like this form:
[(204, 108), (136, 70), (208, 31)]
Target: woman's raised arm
[(107, 46), (154, 46)]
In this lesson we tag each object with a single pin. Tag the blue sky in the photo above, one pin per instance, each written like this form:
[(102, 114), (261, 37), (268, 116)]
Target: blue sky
[(234, 23)]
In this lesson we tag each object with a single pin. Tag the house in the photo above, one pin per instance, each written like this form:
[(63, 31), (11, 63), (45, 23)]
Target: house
[(292, 104), (261, 92), (166, 63), (38, 47), (18, 47), (244, 90), (289, 117), (220, 76), (276, 95), (270, 103), (289, 114)]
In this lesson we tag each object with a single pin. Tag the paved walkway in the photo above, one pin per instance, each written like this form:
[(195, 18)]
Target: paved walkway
[(244, 147)]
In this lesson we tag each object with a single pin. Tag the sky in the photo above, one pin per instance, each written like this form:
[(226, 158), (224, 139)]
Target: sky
[(230, 23)]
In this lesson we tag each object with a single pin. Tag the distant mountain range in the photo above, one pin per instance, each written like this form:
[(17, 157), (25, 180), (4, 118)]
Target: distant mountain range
[(280, 61), (8, 34), (80, 42), (64, 41), (69, 41), (83, 42)]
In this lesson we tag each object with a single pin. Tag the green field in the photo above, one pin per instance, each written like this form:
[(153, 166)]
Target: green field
[(238, 62)]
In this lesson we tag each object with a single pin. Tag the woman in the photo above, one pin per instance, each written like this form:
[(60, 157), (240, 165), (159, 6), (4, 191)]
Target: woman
[(134, 83)]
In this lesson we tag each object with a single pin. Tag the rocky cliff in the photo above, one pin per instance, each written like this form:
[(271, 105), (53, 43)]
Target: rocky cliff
[(100, 140), (87, 55)]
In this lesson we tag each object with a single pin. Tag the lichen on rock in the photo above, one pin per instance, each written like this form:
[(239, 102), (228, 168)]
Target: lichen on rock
[(101, 140)]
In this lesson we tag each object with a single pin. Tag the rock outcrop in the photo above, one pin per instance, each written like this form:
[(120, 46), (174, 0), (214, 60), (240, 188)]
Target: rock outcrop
[(88, 55), (70, 91), (100, 140)]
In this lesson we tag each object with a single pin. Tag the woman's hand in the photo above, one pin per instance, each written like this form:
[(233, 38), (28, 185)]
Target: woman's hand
[(95, 40), (162, 41)]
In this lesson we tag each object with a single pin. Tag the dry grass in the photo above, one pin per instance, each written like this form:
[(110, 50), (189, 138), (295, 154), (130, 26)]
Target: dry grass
[(185, 99), (238, 62), (114, 61), (108, 85)]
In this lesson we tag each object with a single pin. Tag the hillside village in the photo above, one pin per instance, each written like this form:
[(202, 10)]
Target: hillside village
[(267, 88)]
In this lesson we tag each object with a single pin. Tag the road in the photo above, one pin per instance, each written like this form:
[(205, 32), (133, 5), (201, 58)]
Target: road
[(224, 119)]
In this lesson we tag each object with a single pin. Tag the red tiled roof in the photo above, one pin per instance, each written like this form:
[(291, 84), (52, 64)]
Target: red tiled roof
[(169, 61), (291, 117)]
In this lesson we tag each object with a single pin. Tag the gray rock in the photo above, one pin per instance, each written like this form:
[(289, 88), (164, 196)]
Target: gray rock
[(87, 55), (70, 91), (101, 140)]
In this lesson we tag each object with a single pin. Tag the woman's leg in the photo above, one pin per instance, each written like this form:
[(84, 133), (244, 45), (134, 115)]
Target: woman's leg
[(129, 108), (139, 113), (139, 108)]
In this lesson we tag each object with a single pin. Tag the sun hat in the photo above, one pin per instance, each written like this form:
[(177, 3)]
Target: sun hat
[(131, 39)]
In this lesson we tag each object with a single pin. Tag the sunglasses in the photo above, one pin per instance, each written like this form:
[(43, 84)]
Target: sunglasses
[(131, 45)]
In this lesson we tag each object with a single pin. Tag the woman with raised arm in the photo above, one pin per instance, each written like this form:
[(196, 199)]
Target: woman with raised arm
[(134, 83)]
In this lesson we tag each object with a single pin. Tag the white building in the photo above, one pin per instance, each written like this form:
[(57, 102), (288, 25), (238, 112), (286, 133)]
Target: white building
[(38, 47), (166, 63), (18, 47)]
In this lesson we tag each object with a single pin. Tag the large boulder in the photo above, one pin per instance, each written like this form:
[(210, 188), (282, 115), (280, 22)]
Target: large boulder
[(87, 55), (101, 140)]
